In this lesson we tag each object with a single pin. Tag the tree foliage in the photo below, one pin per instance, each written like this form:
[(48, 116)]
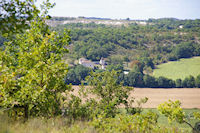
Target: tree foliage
[(173, 111), (32, 72), (16, 14)]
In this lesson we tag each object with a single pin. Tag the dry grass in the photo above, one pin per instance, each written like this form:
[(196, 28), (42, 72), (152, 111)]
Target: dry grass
[(42, 125), (189, 97)]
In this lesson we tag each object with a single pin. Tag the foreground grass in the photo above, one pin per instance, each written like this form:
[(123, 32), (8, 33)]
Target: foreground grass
[(179, 69), (162, 120), (64, 125), (41, 125)]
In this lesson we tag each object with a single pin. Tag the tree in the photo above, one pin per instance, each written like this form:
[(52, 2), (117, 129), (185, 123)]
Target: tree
[(178, 83), (173, 111), (149, 81), (117, 67), (77, 74), (16, 14), (197, 81), (165, 82), (184, 50), (135, 79), (109, 93), (32, 72), (189, 82)]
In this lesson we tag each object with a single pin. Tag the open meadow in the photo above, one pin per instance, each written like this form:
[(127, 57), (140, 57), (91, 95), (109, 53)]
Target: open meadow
[(178, 69)]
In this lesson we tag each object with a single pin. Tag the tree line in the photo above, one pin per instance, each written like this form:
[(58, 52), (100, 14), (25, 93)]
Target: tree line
[(135, 78)]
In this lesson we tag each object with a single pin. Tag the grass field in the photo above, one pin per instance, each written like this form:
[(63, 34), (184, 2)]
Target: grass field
[(178, 69), (163, 121)]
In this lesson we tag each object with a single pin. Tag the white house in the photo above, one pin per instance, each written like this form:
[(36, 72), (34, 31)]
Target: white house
[(103, 67), (86, 63), (126, 72), (181, 26), (102, 61)]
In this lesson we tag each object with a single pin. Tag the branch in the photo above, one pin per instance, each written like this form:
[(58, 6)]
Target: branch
[(189, 124)]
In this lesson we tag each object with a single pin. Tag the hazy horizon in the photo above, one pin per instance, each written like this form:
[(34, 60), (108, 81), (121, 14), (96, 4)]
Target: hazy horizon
[(122, 9)]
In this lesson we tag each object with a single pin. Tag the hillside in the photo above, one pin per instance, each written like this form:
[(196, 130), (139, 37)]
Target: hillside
[(179, 69), (159, 39), (132, 47)]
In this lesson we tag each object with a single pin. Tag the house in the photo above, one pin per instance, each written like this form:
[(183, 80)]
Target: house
[(91, 64), (181, 26), (103, 67), (126, 72), (86, 63), (102, 61), (103, 64)]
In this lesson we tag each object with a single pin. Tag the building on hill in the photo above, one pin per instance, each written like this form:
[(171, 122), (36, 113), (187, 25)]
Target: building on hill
[(103, 64), (102, 61), (86, 63)]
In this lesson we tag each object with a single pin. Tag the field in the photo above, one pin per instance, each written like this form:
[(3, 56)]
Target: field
[(189, 97), (178, 69)]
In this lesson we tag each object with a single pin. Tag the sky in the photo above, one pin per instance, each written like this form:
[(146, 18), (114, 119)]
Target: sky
[(122, 9)]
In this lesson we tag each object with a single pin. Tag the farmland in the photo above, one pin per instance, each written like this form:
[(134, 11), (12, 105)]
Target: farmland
[(189, 97), (179, 69)]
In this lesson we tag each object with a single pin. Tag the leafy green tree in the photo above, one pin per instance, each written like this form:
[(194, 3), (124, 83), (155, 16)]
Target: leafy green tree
[(32, 72), (77, 74), (165, 82), (149, 81), (178, 83), (189, 82), (16, 14), (173, 111), (109, 93), (184, 50), (197, 81), (117, 67), (135, 79)]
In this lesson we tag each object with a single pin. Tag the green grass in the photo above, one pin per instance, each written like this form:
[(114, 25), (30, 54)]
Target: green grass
[(163, 121), (178, 69)]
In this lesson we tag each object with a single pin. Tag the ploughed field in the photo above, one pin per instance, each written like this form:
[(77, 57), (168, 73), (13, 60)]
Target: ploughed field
[(189, 97)]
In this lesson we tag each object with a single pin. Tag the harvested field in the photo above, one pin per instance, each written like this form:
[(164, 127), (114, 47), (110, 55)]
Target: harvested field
[(189, 97)]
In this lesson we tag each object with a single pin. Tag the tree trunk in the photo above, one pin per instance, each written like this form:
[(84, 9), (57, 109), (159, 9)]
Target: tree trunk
[(26, 112)]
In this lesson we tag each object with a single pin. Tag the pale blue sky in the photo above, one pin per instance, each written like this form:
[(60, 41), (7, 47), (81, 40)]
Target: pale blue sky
[(134, 9)]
